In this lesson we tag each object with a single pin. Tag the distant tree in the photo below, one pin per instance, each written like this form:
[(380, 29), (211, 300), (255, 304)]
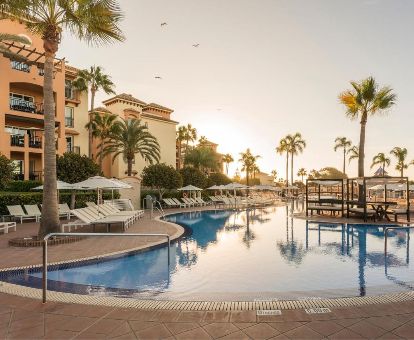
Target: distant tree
[(282, 148), (161, 177), (274, 175), (401, 155), (248, 161), (331, 173), (190, 135), (218, 179), (296, 145), (313, 174), (194, 177), (255, 170), (227, 159), (202, 141), (73, 168), (95, 80), (302, 173), (6, 171), (381, 159), (129, 138), (203, 158), (344, 144), (353, 153), (363, 100), (180, 138)]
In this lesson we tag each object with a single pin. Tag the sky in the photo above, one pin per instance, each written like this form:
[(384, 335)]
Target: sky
[(264, 69)]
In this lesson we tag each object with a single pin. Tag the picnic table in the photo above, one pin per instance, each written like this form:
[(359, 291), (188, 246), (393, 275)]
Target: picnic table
[(381, 209)]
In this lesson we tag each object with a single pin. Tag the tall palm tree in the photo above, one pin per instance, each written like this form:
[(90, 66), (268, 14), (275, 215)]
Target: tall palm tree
[(302, 173), (274, 175), (353, 153), (95, 80), (344, 144), (401, 155), (190, 135), (366, 99), (248, 161), (381, 159), (255, 170), (202, 141), (296, 145), (203, 159), (12, 38), (101, 126), (180, 138), (281, 149), (128, 138), (94, 21), (227, 158)]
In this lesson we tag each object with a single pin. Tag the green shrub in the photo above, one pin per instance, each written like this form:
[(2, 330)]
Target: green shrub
[(194, 177), (73, 168), (6, 171), (22, 186), (22, 198)]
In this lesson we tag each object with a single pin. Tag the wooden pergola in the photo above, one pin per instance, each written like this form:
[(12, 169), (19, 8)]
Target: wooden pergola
[(325, 195), (358, 202)]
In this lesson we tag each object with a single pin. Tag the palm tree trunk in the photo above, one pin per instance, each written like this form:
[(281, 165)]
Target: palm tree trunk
[(383, 168), (361, 156), (50, 218), (344, 161), (90, 135), (179, 155), (247, 177), (287, 169), (291, 168), (227, 169), (129, 169), (101, 155)]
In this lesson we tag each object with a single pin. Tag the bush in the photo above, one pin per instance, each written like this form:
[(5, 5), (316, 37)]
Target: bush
[(22, 186), (218, 179), (73, 168), (194, 177), (21, 198), (6, 171), (161, 177)]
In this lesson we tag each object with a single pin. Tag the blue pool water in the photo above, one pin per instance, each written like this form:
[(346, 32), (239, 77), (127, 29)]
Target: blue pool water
[(252, 254)]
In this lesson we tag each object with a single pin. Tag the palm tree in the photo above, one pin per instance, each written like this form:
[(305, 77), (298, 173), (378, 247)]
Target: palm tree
[(353, 153), (255, 169), (274, 175), (202, 141), (12, 38), (296, 145), (101, 126), (380, 158), (94, 21), (227, 158), (248, 161), (301, 173), (282, 148), (401, 155), (128, 138), (180, 139), (363, 100), (190, 135), (203, 159), (344, 144), (96, 80)]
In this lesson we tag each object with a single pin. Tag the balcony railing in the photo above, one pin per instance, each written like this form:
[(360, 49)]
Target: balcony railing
[(35, 176), (69, 121), (35, 143), (22, 105), (73, 149), (20, 66), (18, 177), (71, 94), (17, 140)]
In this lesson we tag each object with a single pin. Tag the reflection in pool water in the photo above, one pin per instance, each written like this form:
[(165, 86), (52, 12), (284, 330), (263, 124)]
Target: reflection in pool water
[(250, 254)]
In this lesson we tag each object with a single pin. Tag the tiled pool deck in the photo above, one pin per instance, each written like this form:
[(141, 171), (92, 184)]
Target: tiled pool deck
[(23, 316)]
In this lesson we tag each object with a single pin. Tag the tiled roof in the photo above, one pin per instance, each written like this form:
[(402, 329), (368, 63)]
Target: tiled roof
[(157, 106), (126, 97)]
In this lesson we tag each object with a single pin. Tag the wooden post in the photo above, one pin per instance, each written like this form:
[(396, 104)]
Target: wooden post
[(364, 188), (306, 195)]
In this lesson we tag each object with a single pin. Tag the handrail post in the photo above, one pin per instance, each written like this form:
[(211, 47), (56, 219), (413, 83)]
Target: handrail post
[(44, 283)]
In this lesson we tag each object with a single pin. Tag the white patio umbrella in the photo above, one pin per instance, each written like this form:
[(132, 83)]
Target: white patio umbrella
[(189, 188), (61, 185)]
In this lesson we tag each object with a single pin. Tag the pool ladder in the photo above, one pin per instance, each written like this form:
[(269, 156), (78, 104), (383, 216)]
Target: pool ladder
[(159, 208)]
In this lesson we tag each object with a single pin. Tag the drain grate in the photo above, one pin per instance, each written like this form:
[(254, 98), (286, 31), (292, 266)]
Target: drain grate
[(318, 310), (266, 312)]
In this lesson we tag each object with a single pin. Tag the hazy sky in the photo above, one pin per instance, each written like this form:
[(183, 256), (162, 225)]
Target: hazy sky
[(266, 68)]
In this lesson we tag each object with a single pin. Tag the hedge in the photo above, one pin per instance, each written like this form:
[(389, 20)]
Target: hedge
[(21, 198), (22, 186)]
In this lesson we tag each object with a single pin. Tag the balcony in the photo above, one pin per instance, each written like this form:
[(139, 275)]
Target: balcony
[(22, 105), (35, 176), (17, 140), (73, 149), (20, 66), (18, 177), (69, 121), (35, 143)]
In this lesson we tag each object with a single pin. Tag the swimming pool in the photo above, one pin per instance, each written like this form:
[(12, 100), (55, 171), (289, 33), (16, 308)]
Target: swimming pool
[(247, 255)]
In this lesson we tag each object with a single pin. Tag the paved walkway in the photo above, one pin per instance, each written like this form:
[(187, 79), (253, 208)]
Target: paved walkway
[(22, 318)]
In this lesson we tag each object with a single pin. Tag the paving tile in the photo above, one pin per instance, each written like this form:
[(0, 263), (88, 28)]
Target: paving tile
[(303, 332), (123, 328), (76, 324), (325, 327), (261, 331), (220, 329), (58, 334), (90, 335), (384, 322), (296, 315), (367, 330), (347, 322), (5, 318), (27, 333), (403, 317), (30, 322), (346, 334), (404, 331), (389, 336), (158, 331), (143, 315), (105, 326), (121, 313), (285, 326), (141, 325), (180, 327), (270, 318), (243, 325), (197, 333), (167, 316), (236, 335), (280, 337), (216, 316), (191, 316), (243, 316), (128, 336)]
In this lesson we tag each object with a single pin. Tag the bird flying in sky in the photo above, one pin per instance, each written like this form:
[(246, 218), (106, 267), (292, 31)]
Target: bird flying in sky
[(196, 45), (157, 77), (164, 24)]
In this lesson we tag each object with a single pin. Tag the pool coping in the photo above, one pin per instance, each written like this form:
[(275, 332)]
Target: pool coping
[(202, 305)]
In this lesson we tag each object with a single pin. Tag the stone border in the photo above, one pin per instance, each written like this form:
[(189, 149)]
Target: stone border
[(263, 304), (31, 243)]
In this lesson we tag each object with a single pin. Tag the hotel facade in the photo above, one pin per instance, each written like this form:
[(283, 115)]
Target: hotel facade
[(22, 120)]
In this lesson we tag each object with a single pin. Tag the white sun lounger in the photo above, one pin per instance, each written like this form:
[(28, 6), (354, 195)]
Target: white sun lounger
[(6, 226), (18, 213), (33, 210)]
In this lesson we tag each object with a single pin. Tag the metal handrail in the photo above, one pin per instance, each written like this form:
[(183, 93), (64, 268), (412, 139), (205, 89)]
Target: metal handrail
[(386, 229), (44, 274), (160, 209)]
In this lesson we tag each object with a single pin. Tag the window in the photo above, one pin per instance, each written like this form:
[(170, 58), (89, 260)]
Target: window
[(18, 166), (69, 116), (69, 143), (68, 89)]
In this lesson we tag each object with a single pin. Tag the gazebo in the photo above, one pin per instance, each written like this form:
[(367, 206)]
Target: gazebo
[(360, 202), (325, 195)]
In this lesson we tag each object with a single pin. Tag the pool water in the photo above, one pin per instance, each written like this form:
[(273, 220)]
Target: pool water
[(247, 255)]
